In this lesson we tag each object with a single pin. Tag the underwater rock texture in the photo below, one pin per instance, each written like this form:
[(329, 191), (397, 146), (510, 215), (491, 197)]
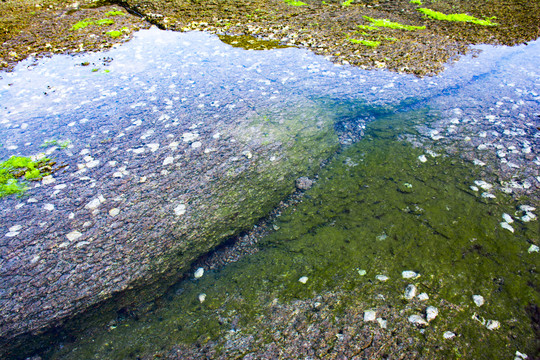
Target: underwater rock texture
[(125, 228)]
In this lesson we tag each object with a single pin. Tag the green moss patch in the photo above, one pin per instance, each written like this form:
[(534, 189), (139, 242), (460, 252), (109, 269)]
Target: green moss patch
[(104, 22), (368, 43), (114, 33), (417, 2), (347, 3), (456, 17), (115, 13), (295, 3), (82, 24), (385, 23), (18, 167)]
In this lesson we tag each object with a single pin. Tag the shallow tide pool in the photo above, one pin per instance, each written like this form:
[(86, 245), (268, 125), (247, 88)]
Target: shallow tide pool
[(418, 238)]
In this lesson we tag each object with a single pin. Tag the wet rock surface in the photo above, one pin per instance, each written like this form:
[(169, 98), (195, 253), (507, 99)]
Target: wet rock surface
[(156, 174), (328, 28)]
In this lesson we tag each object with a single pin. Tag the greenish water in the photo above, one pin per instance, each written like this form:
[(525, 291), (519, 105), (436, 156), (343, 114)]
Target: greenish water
[(375, 207)]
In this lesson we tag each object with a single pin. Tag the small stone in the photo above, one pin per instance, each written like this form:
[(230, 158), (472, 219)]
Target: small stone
[(408, 274), (304, 183), (370, 315), (423, 297), (520, 356), (153, 147), (92, 164), (198, 273), (410, 292), (114, 211), (362, 272), (94, 204), (527, 208), (381, 277), (484, 185), (49, 207), (47, 180), (138, 151), (196, 144), (202, 297), (507, 226), (448, 335), (417, 320), (431, 313), (382, 323), (15, 228), (507, 218), (422, 158), (74, 235), (533, 248), (180, 210), (12, 233), (303, 279), (168, 160), (488, 195), (478, 300), (493, 325)]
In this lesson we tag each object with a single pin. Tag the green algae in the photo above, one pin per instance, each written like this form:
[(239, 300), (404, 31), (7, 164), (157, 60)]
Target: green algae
[(82, 24), (104, 22), (63, 144), (456, 17), (417, 2), (295, 2), (17, 167), (375, 207), (385, 23), (347, 3), (368, 43), (115, 13), (114, 33)]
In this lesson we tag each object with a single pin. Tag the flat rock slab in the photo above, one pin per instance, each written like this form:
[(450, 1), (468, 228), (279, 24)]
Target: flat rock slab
[(149, 175)]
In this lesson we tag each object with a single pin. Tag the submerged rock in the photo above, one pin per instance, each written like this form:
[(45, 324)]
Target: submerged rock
[(178, 213)]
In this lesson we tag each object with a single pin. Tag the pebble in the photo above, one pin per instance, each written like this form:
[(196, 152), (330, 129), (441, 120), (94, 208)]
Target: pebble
[(478, 300), (114, 211), (417, 320), (382, 323), (168, 160), (15, 228), (370, 315), (423, 297), (303, 279), (409, 274), (362, 272), (47, 180), (493, 325), (202, 297), (431, 313), (422, 158), (507, 226), (488, 195), (94, 204), (198, 273), (484, 185), (180, 210), (74, 235), (448, 335), (533, 248), (49, 207), (410, 292), (520, 356), (381, 277), (507, 218)]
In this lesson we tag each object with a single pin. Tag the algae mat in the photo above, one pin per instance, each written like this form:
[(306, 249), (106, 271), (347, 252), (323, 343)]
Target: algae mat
[(387, 256)]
